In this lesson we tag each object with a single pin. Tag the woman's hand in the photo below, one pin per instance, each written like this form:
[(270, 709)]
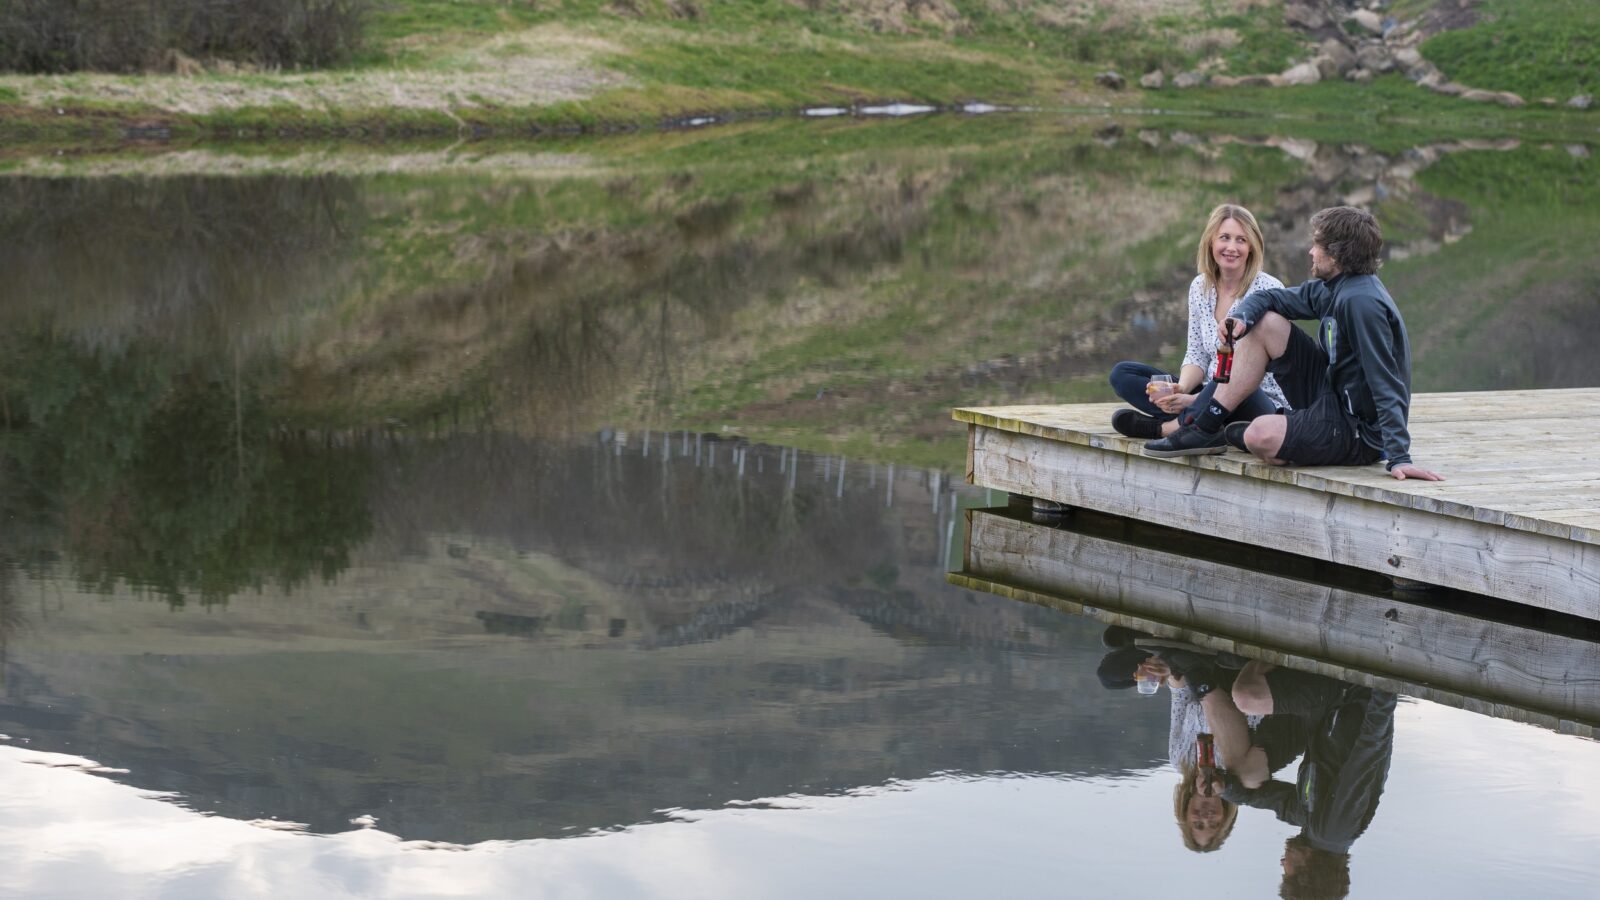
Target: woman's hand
[(1173, 402)]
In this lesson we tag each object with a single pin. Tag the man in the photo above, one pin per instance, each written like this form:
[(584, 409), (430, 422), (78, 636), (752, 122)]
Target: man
[(1350, 740), (1350, 388)]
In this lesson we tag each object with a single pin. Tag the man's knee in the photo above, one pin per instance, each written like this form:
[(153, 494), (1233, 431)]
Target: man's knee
[(1264, 437), (1272, 332), (1250, 691)]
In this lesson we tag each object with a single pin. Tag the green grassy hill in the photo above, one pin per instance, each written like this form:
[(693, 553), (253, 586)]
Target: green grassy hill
[(507, 66)]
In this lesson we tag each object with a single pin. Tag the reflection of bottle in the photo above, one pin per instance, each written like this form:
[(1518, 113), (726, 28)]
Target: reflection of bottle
[(1224, 360), (1205, 760)]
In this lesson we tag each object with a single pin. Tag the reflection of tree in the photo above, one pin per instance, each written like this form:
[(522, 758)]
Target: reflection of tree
[(161, 473), (10, 611), (191, 260)]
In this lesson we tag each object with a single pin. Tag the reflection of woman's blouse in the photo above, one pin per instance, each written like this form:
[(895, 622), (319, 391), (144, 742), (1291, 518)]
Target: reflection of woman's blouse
[(1188, 723), (1204, 337)]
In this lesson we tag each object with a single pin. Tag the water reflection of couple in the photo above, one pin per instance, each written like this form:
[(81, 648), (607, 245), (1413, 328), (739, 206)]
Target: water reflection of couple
[(1261, 717)]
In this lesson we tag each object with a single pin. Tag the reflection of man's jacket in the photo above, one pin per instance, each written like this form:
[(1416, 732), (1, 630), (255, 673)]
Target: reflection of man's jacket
[(1343, 773)]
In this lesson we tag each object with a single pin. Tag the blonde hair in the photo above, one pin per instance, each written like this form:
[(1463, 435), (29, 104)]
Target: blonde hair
[(1207, 264), (1181, 795)]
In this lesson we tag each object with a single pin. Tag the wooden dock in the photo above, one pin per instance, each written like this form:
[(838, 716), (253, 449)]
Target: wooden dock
[(1518, 518), (1486, 656)]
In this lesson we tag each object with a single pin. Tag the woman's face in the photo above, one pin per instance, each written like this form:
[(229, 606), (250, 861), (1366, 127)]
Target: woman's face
[(1205, 818), (1229, 248)]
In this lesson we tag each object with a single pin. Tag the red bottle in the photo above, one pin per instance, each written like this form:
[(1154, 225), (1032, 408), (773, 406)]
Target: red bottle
[(1224, 360), (1205, 759)]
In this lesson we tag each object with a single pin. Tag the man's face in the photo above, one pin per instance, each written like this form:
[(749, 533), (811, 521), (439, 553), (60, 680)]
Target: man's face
[(1322, 265)]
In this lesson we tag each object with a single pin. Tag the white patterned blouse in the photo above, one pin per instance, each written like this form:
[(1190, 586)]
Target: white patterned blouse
[(1204, 337)]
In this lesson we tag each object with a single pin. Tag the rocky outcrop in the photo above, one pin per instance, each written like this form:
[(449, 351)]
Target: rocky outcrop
[(1359, 43), (1111, 80), (1153, 81), (1305, 73)]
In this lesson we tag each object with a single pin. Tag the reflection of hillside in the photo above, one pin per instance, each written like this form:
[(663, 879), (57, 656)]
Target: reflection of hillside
[(538, 637), (563, 323), (840, 301), (192, 262)]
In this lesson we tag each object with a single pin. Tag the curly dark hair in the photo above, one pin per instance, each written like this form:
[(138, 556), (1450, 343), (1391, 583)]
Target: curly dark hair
[(1351, 236)]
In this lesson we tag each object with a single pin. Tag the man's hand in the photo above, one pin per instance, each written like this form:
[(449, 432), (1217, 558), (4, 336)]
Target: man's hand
[(1233, 328), (1175, 402), (1407, 470)]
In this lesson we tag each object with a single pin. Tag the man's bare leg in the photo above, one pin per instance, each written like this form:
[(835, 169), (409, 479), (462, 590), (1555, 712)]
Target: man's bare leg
[(1266, 341), (1250, 692)]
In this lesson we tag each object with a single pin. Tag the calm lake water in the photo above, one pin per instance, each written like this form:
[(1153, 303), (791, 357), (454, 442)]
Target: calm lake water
[(573, 520)]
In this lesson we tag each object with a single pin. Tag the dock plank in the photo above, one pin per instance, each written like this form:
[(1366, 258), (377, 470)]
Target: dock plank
[(1519, 513)]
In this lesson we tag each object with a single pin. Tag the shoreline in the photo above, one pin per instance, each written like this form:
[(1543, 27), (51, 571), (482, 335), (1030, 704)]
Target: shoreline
[(31, 130)]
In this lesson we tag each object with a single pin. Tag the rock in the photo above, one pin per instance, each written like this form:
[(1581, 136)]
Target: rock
[(1375, 56), (1188, 80), (1361, 196), (1408, 58), (1578, 151), (1426, 74), (1582, 101), (1304, 15), (1299, 148), (1448, 88), (1342, 57), (1548, 101), (1360, 76), (1246, 81), (1150, 137), (1111, 80), (1326, 66), (1368, 20), (1154, 81), (1504, 98), (1305, 73)]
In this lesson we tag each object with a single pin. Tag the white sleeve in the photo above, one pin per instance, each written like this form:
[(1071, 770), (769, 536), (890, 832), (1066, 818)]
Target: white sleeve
[(1188, 720), (1197, 354)]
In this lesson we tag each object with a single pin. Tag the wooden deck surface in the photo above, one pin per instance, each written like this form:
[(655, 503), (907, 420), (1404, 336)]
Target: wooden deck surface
[(1528, 460), (1516, 462)]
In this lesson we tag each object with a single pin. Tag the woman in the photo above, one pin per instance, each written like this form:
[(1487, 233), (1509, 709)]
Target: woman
[(1229, 260), (1204, 818)]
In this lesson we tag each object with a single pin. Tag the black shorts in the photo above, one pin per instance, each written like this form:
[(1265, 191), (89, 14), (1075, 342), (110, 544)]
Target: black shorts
[(1317, 432), (1281, 737)]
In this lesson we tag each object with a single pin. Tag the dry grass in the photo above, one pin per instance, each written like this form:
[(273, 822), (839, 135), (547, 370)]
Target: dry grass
[(340, 161), (536, 67)]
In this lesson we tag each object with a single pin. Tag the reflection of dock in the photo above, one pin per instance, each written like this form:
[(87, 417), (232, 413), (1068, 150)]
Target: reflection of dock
[(1518, 519), (1471, 652)]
